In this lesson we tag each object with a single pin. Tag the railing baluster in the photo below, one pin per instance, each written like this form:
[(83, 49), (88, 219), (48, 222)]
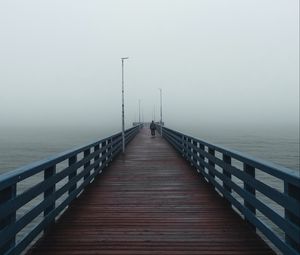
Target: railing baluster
[(182, 146), (72, 161), (111, 148), (250, 170), (97, 166), (195, 152), (176, 137), (87, 164), (210, 162), (202, 148), (294, 192), (227, 160), (189, 149), (103, 154), (6, 195), (48, 173)]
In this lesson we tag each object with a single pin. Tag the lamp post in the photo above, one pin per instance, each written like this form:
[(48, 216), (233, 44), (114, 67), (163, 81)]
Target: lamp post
[(123, 115), (139, 111), (161, 120)]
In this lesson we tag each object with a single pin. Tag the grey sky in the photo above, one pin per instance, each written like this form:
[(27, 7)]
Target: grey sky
[(217, 61)]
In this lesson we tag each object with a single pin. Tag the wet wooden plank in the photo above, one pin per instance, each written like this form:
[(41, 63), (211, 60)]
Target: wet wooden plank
[(150, 201)]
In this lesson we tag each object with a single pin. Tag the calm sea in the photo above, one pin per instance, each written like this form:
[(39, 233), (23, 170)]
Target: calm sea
[(23, 146), (278, 145)]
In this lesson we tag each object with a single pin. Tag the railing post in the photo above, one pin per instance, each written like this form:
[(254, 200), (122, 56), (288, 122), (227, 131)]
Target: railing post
[(111, 148), (210, 162), (189, 150), (48, 173), (6, 195), (227, 161), (87, 164), (250, 170), (202, 158), (195, 154), (72, 161), (294, 192), (97, 166), (179, 139), (103, 155), (183, 145)]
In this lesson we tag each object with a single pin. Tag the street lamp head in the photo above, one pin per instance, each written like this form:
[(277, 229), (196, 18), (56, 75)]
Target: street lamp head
[(125, 58)]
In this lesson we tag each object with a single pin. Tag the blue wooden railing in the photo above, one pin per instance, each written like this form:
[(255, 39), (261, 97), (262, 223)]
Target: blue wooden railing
[(56, 182), (239, 179)]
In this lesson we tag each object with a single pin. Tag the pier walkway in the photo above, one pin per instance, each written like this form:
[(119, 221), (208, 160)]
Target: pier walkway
[(150, 201)]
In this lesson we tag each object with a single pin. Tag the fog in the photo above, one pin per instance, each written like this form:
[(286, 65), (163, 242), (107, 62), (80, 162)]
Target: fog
[(219, 63)]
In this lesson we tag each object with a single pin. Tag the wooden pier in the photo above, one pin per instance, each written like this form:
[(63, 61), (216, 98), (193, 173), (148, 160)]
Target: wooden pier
[(150, 201)]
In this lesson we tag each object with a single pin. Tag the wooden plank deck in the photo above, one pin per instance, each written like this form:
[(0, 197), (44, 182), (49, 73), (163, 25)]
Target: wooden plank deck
[(150, 201)]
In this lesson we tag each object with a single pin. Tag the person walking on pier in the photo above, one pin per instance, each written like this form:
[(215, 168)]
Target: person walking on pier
[(152, 128)]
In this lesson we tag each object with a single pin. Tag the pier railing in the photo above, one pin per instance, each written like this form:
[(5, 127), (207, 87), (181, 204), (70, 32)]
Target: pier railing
[(52, 185), (251, 186)]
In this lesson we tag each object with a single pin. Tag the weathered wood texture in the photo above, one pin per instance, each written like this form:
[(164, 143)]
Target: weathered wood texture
[(150, 201)]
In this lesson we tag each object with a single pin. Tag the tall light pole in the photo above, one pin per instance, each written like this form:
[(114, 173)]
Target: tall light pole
[(123, 115), (161, 120), (139, 111)]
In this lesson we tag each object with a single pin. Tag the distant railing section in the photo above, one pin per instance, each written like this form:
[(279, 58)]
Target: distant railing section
[(237, 177), (59, 180)]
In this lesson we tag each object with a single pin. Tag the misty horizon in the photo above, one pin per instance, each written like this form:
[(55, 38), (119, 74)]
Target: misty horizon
[(230, 65)]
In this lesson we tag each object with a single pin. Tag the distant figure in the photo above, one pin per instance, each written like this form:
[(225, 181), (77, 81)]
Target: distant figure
[(152, 128)]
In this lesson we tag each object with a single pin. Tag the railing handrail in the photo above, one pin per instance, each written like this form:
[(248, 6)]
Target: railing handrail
[(96, 156), (275, 169), (23, 172), (53, 159), (202, 156)]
